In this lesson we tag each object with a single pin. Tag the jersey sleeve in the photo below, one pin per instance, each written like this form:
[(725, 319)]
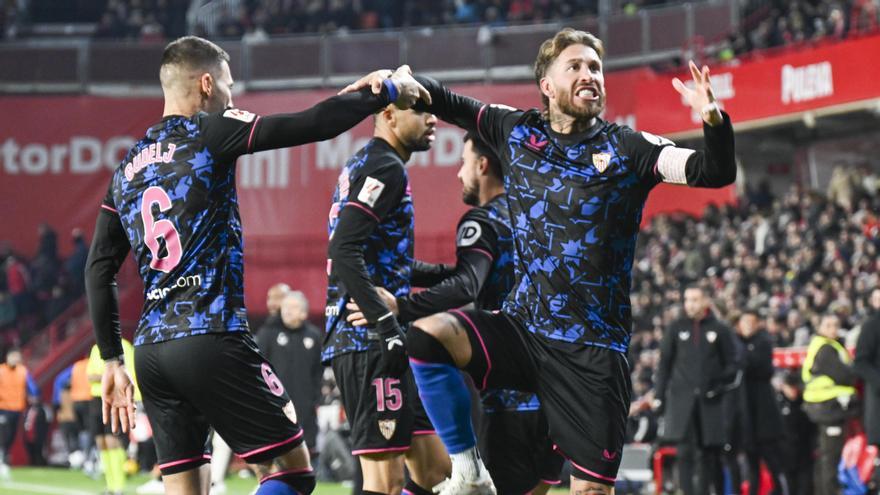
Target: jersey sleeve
[(475, 232), (377, 192), (230, 133), (108, 251), (657, 159), (372, 197), (475, 253), (492, 123)]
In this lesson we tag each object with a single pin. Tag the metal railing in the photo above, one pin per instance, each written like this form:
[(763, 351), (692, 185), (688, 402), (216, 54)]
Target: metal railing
[(452, 53)]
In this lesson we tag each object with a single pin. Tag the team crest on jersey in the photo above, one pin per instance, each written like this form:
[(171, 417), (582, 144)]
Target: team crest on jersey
[(371, 191), (290, 411), (601, 161), (308, 342), (387, 427), (242, 115), (711, 336)]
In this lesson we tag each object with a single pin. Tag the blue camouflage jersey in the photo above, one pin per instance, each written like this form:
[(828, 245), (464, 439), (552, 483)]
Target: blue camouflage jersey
[(375, 182), (176, 199), (576, 204)]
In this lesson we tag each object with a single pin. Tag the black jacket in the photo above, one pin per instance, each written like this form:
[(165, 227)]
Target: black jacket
[(698, 364), (296, 356), (762, 419), (867, 365)]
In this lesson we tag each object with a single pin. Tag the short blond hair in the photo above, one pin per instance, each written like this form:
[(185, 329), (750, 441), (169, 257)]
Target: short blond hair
[(551, 48)]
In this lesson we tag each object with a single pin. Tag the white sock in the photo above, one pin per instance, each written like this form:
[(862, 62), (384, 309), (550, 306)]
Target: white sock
[(467, 464)]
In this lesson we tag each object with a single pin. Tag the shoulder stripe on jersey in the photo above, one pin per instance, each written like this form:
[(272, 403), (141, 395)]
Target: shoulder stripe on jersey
[(362, 207), (251, 136), (481, 251), (480, 117), (108, 208)]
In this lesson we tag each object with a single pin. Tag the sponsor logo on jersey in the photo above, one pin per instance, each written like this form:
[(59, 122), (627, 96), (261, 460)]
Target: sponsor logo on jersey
[(684, 335), (609, 456), (387, 427), (181, 283), (468, 233), (371, 191), (282, 339), (601, 161), (242, 115), (536, 143)]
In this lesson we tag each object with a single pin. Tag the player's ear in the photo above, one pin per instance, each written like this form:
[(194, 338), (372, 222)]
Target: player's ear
[(206, 83), (483, 165), (546, 87)]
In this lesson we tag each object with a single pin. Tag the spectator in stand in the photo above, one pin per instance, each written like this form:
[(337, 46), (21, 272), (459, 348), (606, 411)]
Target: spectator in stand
[(76, 264), (16, 386)]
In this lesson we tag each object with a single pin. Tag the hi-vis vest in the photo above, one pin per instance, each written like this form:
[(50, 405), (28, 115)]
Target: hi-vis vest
[(822, 388)]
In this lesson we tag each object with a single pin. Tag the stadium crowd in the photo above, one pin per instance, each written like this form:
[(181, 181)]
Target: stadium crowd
[(34, 290), (766, 24)]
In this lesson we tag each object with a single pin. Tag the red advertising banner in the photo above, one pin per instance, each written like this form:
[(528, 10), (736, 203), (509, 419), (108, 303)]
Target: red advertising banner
[(57, 153)]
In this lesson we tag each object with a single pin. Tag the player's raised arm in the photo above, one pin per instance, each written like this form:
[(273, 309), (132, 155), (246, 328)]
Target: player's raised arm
[(716, 165), (233, 132)]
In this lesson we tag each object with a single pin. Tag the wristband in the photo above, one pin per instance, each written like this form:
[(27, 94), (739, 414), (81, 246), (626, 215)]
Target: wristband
[(392, 89), (709, 108)]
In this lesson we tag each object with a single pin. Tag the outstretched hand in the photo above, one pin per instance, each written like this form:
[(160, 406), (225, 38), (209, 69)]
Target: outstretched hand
[(117, 397), (409, 91), (701, 96)]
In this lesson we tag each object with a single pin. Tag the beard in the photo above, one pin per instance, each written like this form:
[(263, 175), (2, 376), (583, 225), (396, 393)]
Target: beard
[(422, 143), (471, 195), (591, 111)]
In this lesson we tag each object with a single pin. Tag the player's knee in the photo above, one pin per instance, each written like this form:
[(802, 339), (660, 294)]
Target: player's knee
[(590, 487), (424, 341), (587, 484), (286, 483)]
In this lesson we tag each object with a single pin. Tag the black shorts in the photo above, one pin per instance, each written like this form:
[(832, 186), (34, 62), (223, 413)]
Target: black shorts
[(518, 451), (384, 413), (584, 390), (95, 420), (217, 380)]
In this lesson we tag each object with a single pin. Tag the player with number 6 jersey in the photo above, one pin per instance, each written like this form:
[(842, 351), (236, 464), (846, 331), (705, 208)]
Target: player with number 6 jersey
[(173, 202)]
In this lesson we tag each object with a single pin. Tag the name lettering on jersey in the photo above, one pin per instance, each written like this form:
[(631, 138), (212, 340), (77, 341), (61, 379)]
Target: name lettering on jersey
[(148, 156), (601, 161), (371, 191), (182, 282), (242, 115), (468, 233)]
